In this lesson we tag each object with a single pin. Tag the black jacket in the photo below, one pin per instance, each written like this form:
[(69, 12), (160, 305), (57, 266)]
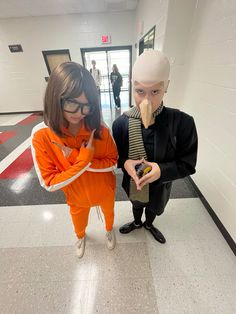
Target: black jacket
[(116, 80), (171, 142)]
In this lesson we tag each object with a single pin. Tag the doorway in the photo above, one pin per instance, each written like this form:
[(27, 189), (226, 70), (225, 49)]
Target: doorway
[(105, 57)]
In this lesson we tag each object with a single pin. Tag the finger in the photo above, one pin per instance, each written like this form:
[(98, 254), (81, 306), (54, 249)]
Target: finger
[(136, 180), (144, 179), (68, 150), (139, 188), (146, 162), (91, 138), (133, 174), (142, 185), (139, 185), (144, 182)]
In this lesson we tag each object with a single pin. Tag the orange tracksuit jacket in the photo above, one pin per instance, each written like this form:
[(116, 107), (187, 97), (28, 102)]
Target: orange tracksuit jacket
[(86, 176)]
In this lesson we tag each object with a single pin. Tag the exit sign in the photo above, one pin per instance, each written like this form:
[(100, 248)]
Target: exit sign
[(106, 39)]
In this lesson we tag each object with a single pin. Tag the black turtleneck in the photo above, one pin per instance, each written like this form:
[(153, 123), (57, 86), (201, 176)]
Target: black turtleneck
[(148, 140)]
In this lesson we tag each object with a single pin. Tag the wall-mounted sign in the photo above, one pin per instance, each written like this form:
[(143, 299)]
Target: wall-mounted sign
[(15, 48), (106, 39)]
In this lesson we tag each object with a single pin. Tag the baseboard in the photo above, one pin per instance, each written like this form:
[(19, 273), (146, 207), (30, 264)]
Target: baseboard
[(38, 112), (213, 215)]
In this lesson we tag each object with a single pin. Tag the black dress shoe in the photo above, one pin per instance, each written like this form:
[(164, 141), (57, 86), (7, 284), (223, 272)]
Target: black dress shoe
[(127, 228), (156, 233)]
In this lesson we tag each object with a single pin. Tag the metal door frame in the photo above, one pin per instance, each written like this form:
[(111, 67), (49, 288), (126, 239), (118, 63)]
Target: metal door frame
[(106, 49)]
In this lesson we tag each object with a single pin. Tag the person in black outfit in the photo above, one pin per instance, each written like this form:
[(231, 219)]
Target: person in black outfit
[(163, 138), (116, 82)]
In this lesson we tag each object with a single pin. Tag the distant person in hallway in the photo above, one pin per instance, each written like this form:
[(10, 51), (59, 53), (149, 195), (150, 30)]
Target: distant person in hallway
[(96, 74), (74, 151), (160, 137), (116, 82)]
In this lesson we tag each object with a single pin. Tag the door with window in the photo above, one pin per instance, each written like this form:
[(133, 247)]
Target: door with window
[(105, 58)]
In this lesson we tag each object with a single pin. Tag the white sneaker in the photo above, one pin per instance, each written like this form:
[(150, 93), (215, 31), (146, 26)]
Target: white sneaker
[(111, 240), (80, 247)]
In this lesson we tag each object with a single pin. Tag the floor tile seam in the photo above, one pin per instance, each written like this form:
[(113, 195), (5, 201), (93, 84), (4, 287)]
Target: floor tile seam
[(56, 204), (62, 246), (64, 204), (192, 274), (183, 197), (14, 282), (203, 276), (68, 246), (42, 203), (115, 278)]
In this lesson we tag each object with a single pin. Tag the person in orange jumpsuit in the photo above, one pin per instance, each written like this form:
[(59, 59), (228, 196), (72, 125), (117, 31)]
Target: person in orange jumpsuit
[(74, 151)]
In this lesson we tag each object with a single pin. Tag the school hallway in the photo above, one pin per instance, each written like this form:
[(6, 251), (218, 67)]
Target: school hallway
[(194, 272)]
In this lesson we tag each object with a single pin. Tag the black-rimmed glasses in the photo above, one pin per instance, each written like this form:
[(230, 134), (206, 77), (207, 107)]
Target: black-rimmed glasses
[(73, 106)]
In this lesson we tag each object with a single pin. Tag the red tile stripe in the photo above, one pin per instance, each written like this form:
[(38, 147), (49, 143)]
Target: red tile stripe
[(21, 165), (28, 120), (5, 136)]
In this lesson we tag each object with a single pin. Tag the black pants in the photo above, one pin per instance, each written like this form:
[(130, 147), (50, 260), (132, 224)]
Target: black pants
[(138, 212), (116, 94)]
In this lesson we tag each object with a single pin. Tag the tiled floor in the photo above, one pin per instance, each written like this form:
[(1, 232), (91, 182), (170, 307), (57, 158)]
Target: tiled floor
[(194, 272)]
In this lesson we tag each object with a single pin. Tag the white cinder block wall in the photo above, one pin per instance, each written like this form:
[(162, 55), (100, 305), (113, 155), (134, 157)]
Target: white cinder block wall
[(178, 27), (173, 21), (199, 37), (148, 14), (210, 96), (22, 82)]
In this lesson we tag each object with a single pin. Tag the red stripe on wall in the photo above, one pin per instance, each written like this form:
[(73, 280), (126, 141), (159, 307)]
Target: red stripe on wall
[(28, 120), (5, 136), (21, 165)]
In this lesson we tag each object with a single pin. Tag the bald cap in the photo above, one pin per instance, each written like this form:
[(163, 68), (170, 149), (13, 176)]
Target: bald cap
[(151, 66)]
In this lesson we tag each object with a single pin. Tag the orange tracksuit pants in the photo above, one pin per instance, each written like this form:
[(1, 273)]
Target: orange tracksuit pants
[(80, 216)]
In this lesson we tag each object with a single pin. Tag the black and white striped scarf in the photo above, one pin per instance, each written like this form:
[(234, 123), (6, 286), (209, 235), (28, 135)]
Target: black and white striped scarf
[(137, 149)]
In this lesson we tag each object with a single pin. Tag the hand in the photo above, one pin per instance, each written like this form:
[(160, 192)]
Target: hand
[(152, 176), (129, 166), (66, 150), (89, 144)]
